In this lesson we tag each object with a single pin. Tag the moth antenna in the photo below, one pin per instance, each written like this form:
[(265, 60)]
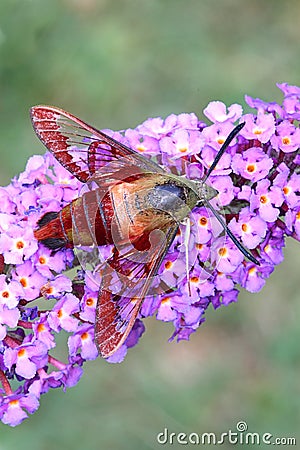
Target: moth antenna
[(239, 245), (186, 246), (220, 153)]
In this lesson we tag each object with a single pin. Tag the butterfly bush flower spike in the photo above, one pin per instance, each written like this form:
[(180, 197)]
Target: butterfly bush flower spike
[(257, 182)]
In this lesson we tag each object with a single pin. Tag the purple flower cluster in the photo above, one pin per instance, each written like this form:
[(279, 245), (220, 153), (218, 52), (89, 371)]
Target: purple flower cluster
[(258, 184)]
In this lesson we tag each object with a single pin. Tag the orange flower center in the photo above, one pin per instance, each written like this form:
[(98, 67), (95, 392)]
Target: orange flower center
[(41, 327), (263, 199), (286, 190), (168, 265), (203, 221), (250, 168), (222, 251), (89, 301), (21, 352), (20, 245), (194, 279), (244, 227), (14, 402), (23, 282), (286, 140)]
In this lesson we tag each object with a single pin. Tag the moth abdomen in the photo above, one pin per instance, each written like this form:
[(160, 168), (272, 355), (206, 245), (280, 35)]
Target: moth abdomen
[(85, 221), (46, 218), (52, 229)]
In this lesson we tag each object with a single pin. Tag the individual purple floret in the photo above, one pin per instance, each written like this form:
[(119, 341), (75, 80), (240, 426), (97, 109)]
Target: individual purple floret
[(258, 184)]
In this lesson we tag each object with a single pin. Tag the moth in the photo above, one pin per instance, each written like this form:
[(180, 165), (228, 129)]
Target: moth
[(132, 204)]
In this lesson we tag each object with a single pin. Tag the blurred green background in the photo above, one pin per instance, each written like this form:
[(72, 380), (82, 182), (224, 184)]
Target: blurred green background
[(115, 63)]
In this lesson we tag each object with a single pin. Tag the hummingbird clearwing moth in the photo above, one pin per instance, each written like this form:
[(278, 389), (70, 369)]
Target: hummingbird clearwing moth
[(135, 206)]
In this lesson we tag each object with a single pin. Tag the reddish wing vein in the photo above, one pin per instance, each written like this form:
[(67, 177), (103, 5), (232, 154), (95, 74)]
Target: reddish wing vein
[(117, 311), (82, 149)]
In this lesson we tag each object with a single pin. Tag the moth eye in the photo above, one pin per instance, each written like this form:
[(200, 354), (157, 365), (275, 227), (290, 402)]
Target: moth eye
[(170, 189), (167, 197)]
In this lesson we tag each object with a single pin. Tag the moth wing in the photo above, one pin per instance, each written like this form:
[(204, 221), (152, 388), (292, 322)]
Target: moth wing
[(126, 281), (82, 149)]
